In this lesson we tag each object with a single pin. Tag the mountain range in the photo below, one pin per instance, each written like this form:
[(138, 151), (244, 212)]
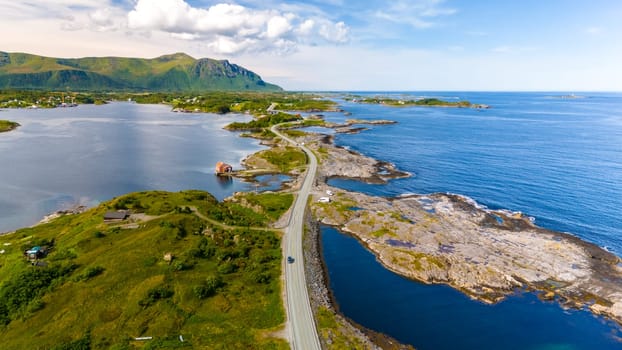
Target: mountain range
[(175, 73)]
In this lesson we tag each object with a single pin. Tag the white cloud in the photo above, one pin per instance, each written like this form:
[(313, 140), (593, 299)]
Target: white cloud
[(234, 29), (418, 14), (106, 19), (336, 32), (278, 26)]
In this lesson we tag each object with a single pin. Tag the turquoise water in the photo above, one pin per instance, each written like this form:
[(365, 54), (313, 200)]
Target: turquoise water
[(557, 160)]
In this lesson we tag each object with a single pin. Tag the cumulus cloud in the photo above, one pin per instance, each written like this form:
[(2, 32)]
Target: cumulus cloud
[(106, 19), (233, 29)]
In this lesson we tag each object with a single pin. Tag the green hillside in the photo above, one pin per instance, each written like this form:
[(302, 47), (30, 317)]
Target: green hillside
[(102, 285), (178, 72)]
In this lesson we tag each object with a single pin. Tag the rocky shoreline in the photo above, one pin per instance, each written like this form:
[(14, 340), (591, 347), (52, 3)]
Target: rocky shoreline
[(449, 239), (346, 333), (321, 297)]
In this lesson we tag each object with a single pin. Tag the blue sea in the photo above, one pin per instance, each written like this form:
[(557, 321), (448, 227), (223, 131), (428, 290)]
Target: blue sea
[(556, 159)]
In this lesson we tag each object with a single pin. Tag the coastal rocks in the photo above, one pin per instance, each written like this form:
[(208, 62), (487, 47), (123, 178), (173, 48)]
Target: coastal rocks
[(78, 209), (480, 106), (347, 127), (444, 238), (341, 332), (341, 162), (370, 122), (349, 130)]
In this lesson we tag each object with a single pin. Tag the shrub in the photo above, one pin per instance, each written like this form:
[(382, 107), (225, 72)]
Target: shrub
[(208, 288), (90, 273), (155, 294), (27, 286), (227, 268)]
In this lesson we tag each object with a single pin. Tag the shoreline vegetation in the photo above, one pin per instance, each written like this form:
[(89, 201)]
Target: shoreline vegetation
[(7, 125), (255, 103), (448, 239), (421, 102), (435, 238), (193, 269)]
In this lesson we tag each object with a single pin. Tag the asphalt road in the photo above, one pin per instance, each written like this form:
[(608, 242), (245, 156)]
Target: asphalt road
[(303, 333)]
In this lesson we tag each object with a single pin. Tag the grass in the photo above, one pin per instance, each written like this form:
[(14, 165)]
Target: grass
[(429, 102), (294, 133), (6, 125), (381, 232), (177, 72), (331, 330), (284, 159), (263, 122), (420, 260), (313, 122), (107, 285), (273, 205), (305, 102)]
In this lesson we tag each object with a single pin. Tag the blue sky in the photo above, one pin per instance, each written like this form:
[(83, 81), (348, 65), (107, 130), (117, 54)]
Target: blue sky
[(345, 45)]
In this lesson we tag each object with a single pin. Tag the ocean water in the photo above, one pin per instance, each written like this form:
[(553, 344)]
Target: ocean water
[(84, 155), (437, 317), (558, 160)]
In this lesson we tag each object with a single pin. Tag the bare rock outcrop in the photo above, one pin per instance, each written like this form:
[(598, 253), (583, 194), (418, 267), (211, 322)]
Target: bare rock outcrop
[(443, 238)]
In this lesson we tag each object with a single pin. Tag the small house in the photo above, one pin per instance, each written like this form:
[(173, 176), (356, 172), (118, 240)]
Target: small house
[(36, 252), (324, 200), (118, 215)]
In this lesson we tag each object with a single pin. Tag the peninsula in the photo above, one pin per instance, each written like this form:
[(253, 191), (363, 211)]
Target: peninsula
[(6, 125), (444, 238), (449, 239), (150, 269), (421, 102)]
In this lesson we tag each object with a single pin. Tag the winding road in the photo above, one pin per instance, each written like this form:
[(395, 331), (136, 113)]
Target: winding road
[(303, 334)]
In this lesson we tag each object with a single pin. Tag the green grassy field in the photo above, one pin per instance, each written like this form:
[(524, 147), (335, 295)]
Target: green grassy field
[(175, 72), (105, 284), (284, 159)]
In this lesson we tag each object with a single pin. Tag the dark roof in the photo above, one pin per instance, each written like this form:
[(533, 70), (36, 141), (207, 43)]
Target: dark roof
[(116, 215)]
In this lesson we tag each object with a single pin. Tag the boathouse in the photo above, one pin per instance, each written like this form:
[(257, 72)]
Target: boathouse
[(223, 168)]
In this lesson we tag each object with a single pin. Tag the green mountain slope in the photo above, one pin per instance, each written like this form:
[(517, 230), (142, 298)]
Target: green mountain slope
[(102, 285), (176, 72)]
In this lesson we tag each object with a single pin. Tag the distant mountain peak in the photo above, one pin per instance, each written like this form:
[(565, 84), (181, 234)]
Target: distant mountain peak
[(175, 56), (174, 72)]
